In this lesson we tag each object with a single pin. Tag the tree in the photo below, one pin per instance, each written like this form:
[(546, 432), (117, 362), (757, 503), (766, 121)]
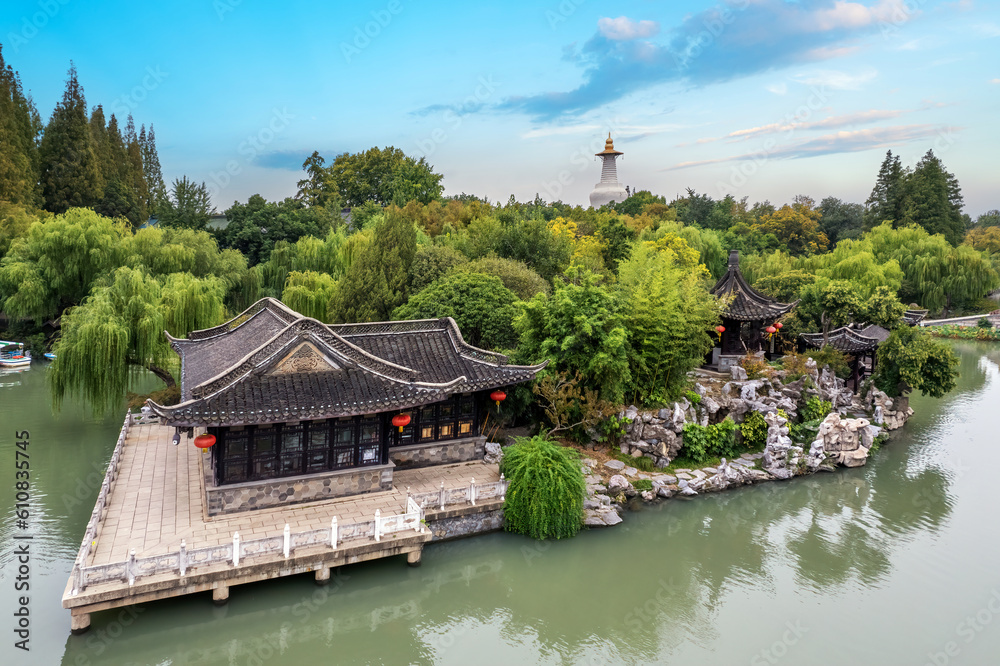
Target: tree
[(579, 328), (840, 219), (431, 262), (151, 170), (784, 287), (984, 239), (515, 275), (883, 308), (120, 326), (382, 176), (20, 129), (935, 200), (545, 497), (133, 173), (481, 306), (990, 218), (317, 189), (309, 293), (669, 313), (911, 359), (189, 205), (376, 282), (70, 173), (796, 226), (635, 204), (887, 201), (254, 228), (15, 219), (54, 265)]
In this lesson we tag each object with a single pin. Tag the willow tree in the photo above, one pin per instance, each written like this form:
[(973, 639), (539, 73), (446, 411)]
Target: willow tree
[(309, 293), (55, 264), (120, 326)]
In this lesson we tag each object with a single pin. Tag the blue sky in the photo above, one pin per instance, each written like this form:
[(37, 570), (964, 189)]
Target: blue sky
[(759, 98)]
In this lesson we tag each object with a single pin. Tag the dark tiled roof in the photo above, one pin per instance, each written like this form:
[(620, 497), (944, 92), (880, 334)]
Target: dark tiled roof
[(914, 317), (849, 339), (746, 304), (243, 377)]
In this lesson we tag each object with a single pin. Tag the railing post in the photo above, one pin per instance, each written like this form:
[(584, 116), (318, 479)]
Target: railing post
[(442, 495), (472, 491), (236, 549), (182, 558), (333, 532), (288, 540), (503, 488), (378, 520), (130, 567)]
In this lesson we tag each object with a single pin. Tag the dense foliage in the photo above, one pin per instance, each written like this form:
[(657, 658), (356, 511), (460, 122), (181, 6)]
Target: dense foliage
[(545, 496), (911, 359), (717, 440)]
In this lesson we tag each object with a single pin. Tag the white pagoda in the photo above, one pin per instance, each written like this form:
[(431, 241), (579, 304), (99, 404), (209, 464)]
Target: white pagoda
[(609, 189)]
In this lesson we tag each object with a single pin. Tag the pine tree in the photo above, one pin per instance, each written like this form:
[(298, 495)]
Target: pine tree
[(935, 200), (888, 198), (135, 177), (20, 128), (151, 169), (69, 168)]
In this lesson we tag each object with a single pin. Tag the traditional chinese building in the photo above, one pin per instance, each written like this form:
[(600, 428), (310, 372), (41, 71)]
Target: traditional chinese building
[(301, 410), (746, 316)]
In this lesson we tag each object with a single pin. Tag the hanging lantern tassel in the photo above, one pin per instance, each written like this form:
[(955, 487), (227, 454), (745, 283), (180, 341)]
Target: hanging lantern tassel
[(401, 421), (498, 397), (720, 329), (771, 330)]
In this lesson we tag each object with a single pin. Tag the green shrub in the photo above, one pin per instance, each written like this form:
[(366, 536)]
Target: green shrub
[(754, 429), (815, 409), (545, 496), (804, 433), (984, 323), (642, 484), (612, 429), (692, 397), (836, 359), (965, 332), (756, 366), (704, 442)]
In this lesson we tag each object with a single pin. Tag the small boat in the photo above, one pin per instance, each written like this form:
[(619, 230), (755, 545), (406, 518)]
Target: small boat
[(18, 358), (50, 356)]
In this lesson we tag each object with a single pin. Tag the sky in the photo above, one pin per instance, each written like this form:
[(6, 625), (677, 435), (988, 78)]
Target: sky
[(765, 99)]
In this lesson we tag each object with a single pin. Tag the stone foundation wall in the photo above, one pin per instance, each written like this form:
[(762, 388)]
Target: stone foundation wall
[(467, 525), (294, 489), (438, 453)]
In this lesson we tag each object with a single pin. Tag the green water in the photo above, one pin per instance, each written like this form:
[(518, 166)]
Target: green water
[(893, 563)]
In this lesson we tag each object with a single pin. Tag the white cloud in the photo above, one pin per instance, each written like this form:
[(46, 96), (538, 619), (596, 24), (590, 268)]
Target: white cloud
[(854, 15), (777, 88), (837, 80), (995, 81), (623, 28)]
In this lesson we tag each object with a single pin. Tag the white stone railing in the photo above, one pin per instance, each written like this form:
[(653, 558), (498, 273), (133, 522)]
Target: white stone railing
[(462, 495), (103, 497), (237, 552)]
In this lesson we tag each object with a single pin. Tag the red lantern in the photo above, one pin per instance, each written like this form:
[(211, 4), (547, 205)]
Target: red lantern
[(771, 329), (204, 441), (721, 329), (401, 421), (498, 397), (778, 325)]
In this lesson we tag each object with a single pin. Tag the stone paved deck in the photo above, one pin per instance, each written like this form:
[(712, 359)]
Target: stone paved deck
[(158, 500)]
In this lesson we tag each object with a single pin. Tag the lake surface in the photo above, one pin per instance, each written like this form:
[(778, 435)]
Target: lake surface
[(897, 562)]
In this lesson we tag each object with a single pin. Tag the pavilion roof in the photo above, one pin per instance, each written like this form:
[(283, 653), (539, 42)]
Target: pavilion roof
[(849, 339), (270, 364), (914, 317), (747, 303)]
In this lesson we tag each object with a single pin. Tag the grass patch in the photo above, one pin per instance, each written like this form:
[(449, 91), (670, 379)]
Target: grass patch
[(642, 484), (644, 464)]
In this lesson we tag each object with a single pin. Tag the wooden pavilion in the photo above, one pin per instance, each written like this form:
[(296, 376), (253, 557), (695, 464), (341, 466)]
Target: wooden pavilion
[(747, 313), (301, 410)]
